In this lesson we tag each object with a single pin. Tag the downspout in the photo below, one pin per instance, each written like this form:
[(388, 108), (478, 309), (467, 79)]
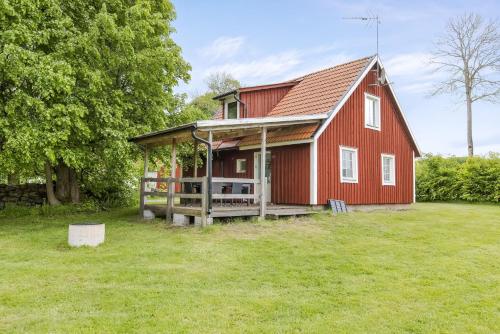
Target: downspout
[(209, 167), (245, 110)]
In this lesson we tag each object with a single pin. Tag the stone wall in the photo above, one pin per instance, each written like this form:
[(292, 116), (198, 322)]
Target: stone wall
[(24, 194)]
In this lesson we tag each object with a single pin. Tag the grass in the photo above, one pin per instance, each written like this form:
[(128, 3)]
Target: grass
[(434, 268)]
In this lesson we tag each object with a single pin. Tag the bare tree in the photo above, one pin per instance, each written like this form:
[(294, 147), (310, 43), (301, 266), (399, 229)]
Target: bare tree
[(221, 82), (469, 52)]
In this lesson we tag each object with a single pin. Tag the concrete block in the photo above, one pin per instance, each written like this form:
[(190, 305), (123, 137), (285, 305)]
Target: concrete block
[(148, 214), (86, 234), (180, 220)]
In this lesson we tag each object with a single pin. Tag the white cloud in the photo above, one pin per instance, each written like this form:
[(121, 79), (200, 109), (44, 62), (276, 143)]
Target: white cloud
[(267, 67), (281, 66), (223, 47), (413, 72)]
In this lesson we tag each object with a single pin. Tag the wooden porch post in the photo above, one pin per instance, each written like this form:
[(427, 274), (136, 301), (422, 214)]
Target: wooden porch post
[(195, 171), (143, 185), (263, 182), (171, 184)]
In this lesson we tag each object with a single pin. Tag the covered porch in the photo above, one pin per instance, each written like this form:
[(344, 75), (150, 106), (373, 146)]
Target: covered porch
[(200, 198)]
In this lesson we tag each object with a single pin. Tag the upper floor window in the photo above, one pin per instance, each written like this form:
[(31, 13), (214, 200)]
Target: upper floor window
[(348, 164), (372, 111), (231, 109), (388, 170)]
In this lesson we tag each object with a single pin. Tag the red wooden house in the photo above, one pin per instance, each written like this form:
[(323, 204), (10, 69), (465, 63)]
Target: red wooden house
[(338, 133)]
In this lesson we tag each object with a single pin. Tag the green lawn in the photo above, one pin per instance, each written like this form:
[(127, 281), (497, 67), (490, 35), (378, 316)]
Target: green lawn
[(435, 268)]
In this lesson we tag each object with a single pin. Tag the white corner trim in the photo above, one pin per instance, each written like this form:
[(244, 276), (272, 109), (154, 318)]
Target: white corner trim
[(414, 179), (355, 165), (344, 99), (382, 156), (313, 179)]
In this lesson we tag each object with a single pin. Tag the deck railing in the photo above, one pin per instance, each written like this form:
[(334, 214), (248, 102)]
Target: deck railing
[(195, 189)]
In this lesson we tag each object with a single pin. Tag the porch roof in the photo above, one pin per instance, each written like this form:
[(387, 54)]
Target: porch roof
[(223, 129)]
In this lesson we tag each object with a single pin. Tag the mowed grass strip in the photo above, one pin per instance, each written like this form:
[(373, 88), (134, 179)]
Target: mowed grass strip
[(434, 268)]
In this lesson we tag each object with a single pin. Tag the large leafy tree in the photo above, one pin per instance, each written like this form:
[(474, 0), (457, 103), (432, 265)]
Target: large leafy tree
[(77, 79)]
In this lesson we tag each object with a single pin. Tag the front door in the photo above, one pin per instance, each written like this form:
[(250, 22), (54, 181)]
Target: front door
[(256, 173)]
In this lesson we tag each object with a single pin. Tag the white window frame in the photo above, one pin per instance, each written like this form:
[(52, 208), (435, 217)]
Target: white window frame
[(392, 182), (238, 166), (226, 103), (377, 99), (354, 179)]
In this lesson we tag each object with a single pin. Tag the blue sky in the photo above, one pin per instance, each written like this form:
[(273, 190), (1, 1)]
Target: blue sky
[(261, 42)]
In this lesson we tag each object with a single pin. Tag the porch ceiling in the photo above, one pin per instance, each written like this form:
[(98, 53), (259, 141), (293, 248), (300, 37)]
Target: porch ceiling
[(223, 129)]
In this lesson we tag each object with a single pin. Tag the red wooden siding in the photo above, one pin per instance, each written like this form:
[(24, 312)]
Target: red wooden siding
[(259, 103), (348, 129), (290, 174)]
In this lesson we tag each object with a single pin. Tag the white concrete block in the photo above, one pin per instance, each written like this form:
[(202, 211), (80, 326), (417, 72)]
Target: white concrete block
[(197, 221), (180, 220), (86, 234), (148, 214)]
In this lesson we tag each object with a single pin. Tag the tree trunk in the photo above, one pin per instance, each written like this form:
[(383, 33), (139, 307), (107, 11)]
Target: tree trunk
[(51, 197), (74, 186), (470, 144), (63, 183), (13, 179)]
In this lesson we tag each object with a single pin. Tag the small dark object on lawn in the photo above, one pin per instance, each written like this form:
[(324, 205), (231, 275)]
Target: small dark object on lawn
[(337, 206)]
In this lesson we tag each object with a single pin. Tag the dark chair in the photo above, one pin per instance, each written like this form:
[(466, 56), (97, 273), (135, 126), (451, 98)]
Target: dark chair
[(241, 188), (217, 189)]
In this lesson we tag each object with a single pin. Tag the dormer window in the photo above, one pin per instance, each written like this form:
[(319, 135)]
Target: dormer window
[(231, 109)]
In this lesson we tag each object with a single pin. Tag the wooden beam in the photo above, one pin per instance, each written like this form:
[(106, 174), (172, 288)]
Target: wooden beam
[(263, 182), (210, 139), (195, 168), (146, 161), (171, 185)]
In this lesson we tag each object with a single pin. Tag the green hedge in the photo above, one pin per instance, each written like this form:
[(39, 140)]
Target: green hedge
[(474, 179)]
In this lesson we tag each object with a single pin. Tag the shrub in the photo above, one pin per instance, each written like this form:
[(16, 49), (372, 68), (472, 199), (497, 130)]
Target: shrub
[(448, 179)]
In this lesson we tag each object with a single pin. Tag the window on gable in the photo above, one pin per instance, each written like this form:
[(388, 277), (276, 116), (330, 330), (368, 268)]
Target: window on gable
[(241, 165), (388, 170), (232, 110), (372, 112), (348, 165)]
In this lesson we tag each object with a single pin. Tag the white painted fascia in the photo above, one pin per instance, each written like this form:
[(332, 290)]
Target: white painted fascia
[(283, 143), (348, 94), (345, 97), (401, 111), (259, 121)]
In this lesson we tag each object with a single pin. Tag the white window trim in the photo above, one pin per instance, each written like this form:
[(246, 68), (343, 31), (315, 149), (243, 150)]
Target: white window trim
[(374, 97), (393, 174), (354, 179), (238, 167), (231, 100)]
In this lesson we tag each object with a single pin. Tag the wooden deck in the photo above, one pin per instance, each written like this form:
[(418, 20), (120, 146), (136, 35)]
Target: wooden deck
[(273, 211)]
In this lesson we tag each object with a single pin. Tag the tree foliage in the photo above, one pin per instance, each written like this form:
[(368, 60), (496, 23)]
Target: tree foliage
[(78, 79), (474, 179), (221, 82)]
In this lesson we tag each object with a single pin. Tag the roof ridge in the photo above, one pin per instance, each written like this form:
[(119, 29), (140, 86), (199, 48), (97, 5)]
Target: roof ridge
[(332, 67), (311, 73)]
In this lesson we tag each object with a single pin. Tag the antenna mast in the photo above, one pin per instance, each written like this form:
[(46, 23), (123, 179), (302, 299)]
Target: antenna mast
[(381, 79), (367, 19)]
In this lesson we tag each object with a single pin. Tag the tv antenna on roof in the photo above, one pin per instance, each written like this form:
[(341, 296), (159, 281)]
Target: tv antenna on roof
[(381, 78), (368, 19)]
